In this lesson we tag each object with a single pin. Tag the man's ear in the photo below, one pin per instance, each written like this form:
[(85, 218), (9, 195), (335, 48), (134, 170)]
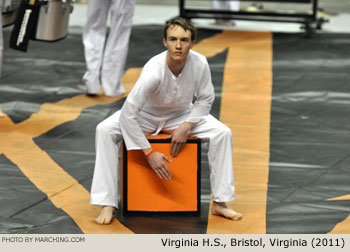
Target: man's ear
[(193, 43), (165, 43)]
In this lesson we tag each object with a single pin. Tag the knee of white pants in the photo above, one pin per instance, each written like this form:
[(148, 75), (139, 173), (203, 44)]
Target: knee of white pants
[(223, 132), (226, 131), (107, 133), (102, 128)]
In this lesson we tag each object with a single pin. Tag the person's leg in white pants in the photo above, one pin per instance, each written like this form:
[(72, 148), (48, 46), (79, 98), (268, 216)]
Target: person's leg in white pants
[(219, 139), (105, 60), (116, 49), (104, 188), (94, 39), (1, 49)]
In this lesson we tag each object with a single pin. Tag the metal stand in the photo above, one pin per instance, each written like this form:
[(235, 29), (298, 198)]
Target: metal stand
[(309, 20)]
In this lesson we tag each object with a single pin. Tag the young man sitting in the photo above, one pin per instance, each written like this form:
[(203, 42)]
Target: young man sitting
[(161, 100)]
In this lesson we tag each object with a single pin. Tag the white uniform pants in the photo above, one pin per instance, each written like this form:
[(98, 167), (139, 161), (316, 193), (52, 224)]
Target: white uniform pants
[(104, 190), (105, 60), (1, 41)]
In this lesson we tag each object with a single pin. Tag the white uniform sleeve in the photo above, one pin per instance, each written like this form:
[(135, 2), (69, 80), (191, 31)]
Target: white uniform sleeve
[(205, 97), (133, 135)]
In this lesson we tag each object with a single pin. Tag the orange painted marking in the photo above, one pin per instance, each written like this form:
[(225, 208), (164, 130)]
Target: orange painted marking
[(344, 226), (16, 143), (245, 108), (344, 197)]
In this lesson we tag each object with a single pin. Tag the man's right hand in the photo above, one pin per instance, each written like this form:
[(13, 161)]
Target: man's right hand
[(157, 163)]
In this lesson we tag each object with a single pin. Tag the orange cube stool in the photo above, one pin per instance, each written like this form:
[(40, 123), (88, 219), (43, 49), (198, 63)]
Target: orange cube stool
[(142, 191)]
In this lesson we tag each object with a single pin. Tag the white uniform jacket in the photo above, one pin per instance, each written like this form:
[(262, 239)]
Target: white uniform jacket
[(159, 94)]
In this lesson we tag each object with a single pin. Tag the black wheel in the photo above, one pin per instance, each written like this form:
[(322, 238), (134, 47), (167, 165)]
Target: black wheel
[(309, 30)]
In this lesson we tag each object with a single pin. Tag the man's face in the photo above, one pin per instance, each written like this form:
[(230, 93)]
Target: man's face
[(178, 43)]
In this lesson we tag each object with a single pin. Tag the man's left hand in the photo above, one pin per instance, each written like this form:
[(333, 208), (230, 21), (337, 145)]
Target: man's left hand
[(179, 138)]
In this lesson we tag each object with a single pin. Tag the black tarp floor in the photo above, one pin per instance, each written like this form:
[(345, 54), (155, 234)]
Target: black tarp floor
[(293, 179)]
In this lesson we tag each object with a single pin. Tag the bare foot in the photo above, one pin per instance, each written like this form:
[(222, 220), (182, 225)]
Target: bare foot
[(106, 215), (221, 209), (2, 115)]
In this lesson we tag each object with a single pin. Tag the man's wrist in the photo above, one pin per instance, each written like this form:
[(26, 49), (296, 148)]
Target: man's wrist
[(188, 125), (149, 153)]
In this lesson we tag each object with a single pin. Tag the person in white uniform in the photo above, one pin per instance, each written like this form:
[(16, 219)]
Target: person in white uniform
[(230, 5), (105, 60), (1, 49), (161, 100), (1, 39)]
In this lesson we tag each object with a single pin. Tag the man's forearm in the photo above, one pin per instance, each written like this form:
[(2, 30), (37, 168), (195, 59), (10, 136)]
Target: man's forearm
[(187, 126)]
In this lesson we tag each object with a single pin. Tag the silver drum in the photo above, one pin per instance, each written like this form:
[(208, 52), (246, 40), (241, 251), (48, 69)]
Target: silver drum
[(53, 19)]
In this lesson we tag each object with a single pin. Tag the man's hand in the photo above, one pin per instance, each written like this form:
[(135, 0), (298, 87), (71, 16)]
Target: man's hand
[(157, 163), (179, 138)]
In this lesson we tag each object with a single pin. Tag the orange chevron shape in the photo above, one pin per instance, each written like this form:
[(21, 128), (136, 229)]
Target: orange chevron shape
[(344, 197), (16, 142)]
